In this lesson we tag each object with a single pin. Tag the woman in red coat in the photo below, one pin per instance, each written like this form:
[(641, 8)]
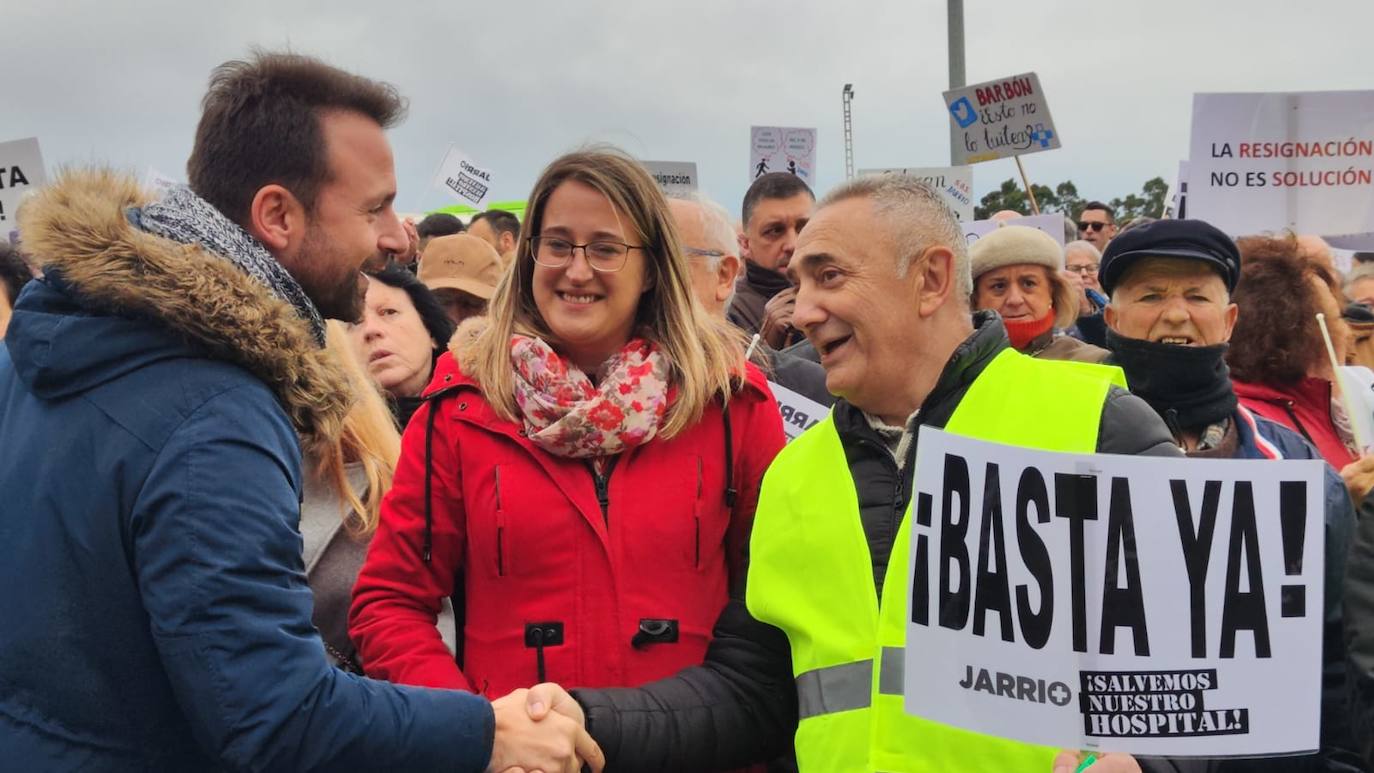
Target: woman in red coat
[(584, 474)]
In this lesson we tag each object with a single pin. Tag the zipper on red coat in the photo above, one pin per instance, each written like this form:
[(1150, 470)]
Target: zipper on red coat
[(603, 493), (500, 528), (696, 534)]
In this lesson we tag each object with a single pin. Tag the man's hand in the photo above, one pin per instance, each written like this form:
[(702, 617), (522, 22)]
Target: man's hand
[(777, 317), (546, 697), (1359, 477), (557, 743), (1068, 760), (413, 248)]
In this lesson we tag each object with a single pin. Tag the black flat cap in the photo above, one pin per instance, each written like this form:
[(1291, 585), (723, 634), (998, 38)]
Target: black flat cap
[(1187, 239)]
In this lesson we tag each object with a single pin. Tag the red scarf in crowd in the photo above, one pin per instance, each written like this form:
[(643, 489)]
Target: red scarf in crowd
[(567, 415), (1022, 333)]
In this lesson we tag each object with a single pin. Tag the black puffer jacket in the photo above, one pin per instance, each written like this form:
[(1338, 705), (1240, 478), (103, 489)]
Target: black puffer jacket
[(740, 706)]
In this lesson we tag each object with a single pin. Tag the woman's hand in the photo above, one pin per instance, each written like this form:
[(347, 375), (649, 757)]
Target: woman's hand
[(1068, 762)]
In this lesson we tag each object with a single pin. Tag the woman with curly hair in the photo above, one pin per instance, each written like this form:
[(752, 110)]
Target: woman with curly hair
[(1278, 361)]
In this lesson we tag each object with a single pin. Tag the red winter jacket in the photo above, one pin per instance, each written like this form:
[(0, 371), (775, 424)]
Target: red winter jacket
[(1305, 408), (564, 582)]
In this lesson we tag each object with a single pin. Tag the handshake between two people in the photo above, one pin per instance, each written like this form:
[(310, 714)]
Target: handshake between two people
[(542, 729)]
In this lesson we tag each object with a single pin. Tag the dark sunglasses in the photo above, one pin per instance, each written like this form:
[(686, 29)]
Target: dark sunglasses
[(1096, 227)]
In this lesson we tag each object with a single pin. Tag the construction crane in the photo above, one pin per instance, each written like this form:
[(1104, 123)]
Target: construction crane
[(848, 96)]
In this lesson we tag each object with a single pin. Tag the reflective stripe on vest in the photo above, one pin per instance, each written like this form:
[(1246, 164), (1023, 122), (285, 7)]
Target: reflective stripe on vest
[(849, 686), (851, 716)]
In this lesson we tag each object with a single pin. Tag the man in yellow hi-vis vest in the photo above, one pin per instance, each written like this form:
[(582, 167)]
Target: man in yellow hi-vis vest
[(808, 657)]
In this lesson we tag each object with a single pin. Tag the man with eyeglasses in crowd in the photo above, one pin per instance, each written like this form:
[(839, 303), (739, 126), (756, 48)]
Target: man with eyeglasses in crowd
[(1081, 259), (713, 255), (1097, 224)]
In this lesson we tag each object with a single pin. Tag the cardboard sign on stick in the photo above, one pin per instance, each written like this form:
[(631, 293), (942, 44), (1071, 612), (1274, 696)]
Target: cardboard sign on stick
[(1000, 119)]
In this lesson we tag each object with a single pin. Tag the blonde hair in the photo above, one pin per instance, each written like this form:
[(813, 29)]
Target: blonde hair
[(369, 437), (705, 354)]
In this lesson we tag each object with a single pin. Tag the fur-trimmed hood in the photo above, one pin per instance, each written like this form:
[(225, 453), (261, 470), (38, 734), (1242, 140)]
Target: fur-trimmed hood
[(78, 226)]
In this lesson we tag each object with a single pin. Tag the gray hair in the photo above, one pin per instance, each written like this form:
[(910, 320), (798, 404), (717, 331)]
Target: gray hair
[(717, 233), (716, 229), (917, 218), (1082, 245)]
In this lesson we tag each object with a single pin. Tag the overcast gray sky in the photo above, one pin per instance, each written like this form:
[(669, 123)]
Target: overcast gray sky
[(516, 83)]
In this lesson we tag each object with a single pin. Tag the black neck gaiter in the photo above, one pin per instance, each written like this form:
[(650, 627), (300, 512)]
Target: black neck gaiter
[(1189, 386), (767, 281)]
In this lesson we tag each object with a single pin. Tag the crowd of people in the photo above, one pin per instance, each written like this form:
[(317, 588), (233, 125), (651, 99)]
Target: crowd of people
[(359, 493)]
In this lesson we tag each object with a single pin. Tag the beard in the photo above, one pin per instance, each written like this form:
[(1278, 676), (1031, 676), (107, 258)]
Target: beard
[(331, 277)]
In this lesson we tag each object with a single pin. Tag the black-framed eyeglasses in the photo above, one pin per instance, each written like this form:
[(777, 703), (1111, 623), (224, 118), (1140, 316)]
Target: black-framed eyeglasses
[(603, 255), (1096, 227)]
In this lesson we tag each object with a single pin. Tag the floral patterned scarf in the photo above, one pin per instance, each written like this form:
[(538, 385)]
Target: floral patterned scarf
[(566, 415)]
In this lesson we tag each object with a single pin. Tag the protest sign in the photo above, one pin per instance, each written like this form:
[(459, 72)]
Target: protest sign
[(677, 179), (954, 183), (782, 149), (21, 171), (1357, 386), (1136, 604), (799, 413), (1052, 224), (1000, 119), (1176, 198), (1354, 242), (1263, 162), (463, 179)]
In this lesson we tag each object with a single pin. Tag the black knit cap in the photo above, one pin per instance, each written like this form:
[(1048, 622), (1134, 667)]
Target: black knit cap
[(1188, 239)]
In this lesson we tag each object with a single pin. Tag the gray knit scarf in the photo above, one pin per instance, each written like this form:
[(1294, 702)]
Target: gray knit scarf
[(184, 217)]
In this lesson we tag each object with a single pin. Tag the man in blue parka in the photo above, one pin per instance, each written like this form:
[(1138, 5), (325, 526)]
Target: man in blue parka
[(156, 388), (1169, 319)]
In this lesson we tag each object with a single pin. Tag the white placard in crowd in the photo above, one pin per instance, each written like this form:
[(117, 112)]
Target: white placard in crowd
[(1135, 604), (1000, 119), (955, 184), (1052, 224), (21, 171), (783, 149), (1357, 383), (677, 179), (1363, 242), (1176, 199), (799, 413), (461, 177), (1262, 162)]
